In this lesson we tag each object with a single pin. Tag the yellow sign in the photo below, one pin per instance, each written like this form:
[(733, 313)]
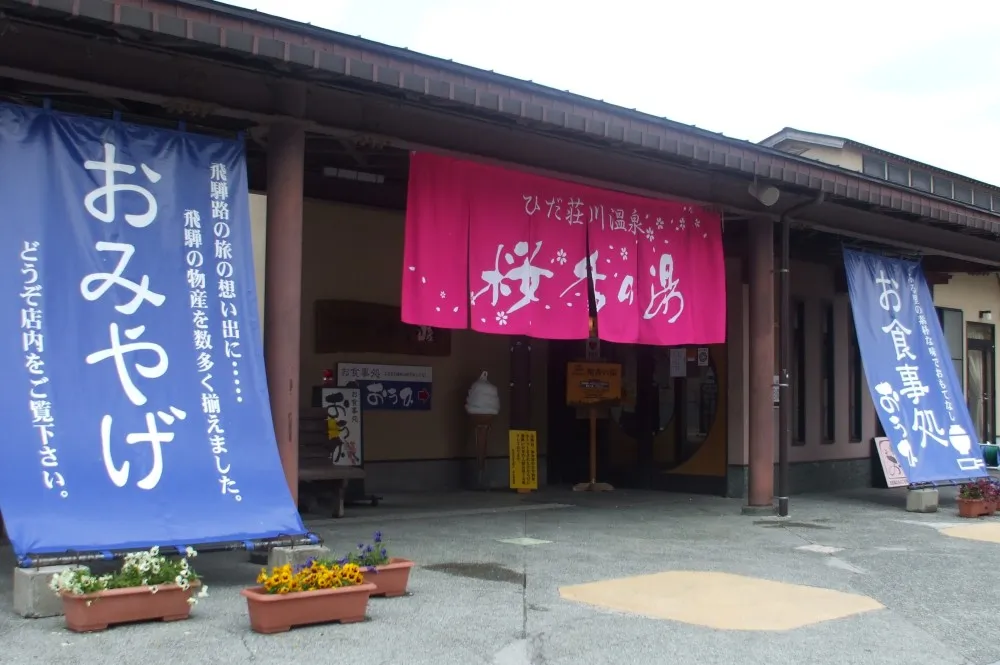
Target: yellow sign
[(593, 383), (523, 459)]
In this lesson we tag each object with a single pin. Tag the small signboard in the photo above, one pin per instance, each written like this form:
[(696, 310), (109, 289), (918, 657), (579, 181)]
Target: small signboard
[(593, 383), (703, 356), (895, 474), (523, 459), (388, 387), (678, 363), (343, 424)]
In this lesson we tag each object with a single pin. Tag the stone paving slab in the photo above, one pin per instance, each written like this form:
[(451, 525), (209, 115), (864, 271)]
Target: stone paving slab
[(478, 600)]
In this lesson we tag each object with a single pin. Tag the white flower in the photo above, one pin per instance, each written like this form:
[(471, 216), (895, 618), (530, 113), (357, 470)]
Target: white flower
[(659, 223), (190, 553), (681, 223), (624, 254), (502, 318), (203, 592), (650, 235), (443, 295), (697, 223), (561, 257), (154, 589)]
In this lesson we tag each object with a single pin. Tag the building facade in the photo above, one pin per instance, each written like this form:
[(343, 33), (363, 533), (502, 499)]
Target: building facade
[(968, 303), (330, 121)]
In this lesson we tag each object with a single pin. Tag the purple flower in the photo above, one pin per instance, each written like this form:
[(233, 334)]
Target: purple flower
[(378, 536)]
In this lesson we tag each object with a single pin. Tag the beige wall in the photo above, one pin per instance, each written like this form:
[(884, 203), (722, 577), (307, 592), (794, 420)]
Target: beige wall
[(814, 285), (971, 294), (842, 157), (354, 253)]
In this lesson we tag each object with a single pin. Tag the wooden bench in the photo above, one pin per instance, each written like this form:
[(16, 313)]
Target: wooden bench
[(321, 482)]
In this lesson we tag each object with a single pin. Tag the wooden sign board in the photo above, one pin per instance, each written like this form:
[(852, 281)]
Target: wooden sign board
[(590, 383)]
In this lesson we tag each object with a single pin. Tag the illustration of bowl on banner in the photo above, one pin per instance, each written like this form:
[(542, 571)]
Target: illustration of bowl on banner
[(960, 440), (483, 398)]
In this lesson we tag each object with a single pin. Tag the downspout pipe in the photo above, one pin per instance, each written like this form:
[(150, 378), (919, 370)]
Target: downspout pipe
[(785, 352)]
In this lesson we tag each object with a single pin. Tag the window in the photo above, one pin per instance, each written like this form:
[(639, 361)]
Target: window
[(873, 166), (899, 174), (798, 373), (982, 200), (920, 180), (953, 326), (963, 193), (829, 393), (942, 186), (855, 378)]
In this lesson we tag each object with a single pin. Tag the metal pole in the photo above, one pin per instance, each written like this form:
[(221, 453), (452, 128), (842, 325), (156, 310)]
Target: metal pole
[(785, 345), (785, 356)]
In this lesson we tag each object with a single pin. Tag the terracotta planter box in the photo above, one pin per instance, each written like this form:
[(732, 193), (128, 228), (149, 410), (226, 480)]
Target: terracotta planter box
[(97, 611), (279, 613), (391, 579), (975, 508)]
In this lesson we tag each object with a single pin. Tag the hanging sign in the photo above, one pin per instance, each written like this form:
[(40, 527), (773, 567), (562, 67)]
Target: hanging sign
[(593, 383), (388, 387)]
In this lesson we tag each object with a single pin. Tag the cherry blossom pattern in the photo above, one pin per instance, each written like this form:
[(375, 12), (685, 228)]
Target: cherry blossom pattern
[(560, 257), (624, 253), (502, 318), (659, 223)]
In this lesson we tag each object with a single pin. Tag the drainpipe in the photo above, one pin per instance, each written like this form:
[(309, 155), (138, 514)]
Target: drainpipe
[(785, 345)]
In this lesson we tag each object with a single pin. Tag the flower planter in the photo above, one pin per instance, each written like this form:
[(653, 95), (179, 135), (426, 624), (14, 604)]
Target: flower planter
[(975, 507), (390, 580), (96, 611), (279, 613)]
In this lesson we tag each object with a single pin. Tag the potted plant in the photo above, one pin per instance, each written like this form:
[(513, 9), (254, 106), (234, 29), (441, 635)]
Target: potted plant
[(318, 592), (389, 574), (977, 498), (148, 586)]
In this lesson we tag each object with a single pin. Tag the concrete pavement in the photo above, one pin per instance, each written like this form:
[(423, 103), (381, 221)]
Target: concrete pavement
[(478, 599)]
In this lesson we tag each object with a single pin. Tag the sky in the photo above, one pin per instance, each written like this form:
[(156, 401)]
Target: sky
[(917, 80)]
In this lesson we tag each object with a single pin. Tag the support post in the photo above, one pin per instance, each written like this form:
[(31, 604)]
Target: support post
[(760, 260), (785, 391), (283, 289)]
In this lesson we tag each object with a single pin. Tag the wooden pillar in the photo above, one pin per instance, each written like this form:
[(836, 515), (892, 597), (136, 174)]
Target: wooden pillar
[(520, 382), (760, 263), (283, 289)]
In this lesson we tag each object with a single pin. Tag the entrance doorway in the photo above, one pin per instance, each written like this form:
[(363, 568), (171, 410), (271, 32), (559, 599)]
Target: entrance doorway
[(668, 433), (981, 378)]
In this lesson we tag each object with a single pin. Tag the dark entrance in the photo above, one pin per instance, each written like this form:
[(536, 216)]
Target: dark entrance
[(669, 433), (981, 379)]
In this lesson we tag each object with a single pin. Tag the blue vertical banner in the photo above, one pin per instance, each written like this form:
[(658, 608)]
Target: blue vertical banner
[(136, 402), (917, 394)]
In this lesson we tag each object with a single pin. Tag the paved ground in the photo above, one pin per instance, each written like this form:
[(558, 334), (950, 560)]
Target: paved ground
[(478, 600)]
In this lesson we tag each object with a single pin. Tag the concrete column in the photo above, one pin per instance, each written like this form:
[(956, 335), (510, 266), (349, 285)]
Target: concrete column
[(283, 289), (760, 269)]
